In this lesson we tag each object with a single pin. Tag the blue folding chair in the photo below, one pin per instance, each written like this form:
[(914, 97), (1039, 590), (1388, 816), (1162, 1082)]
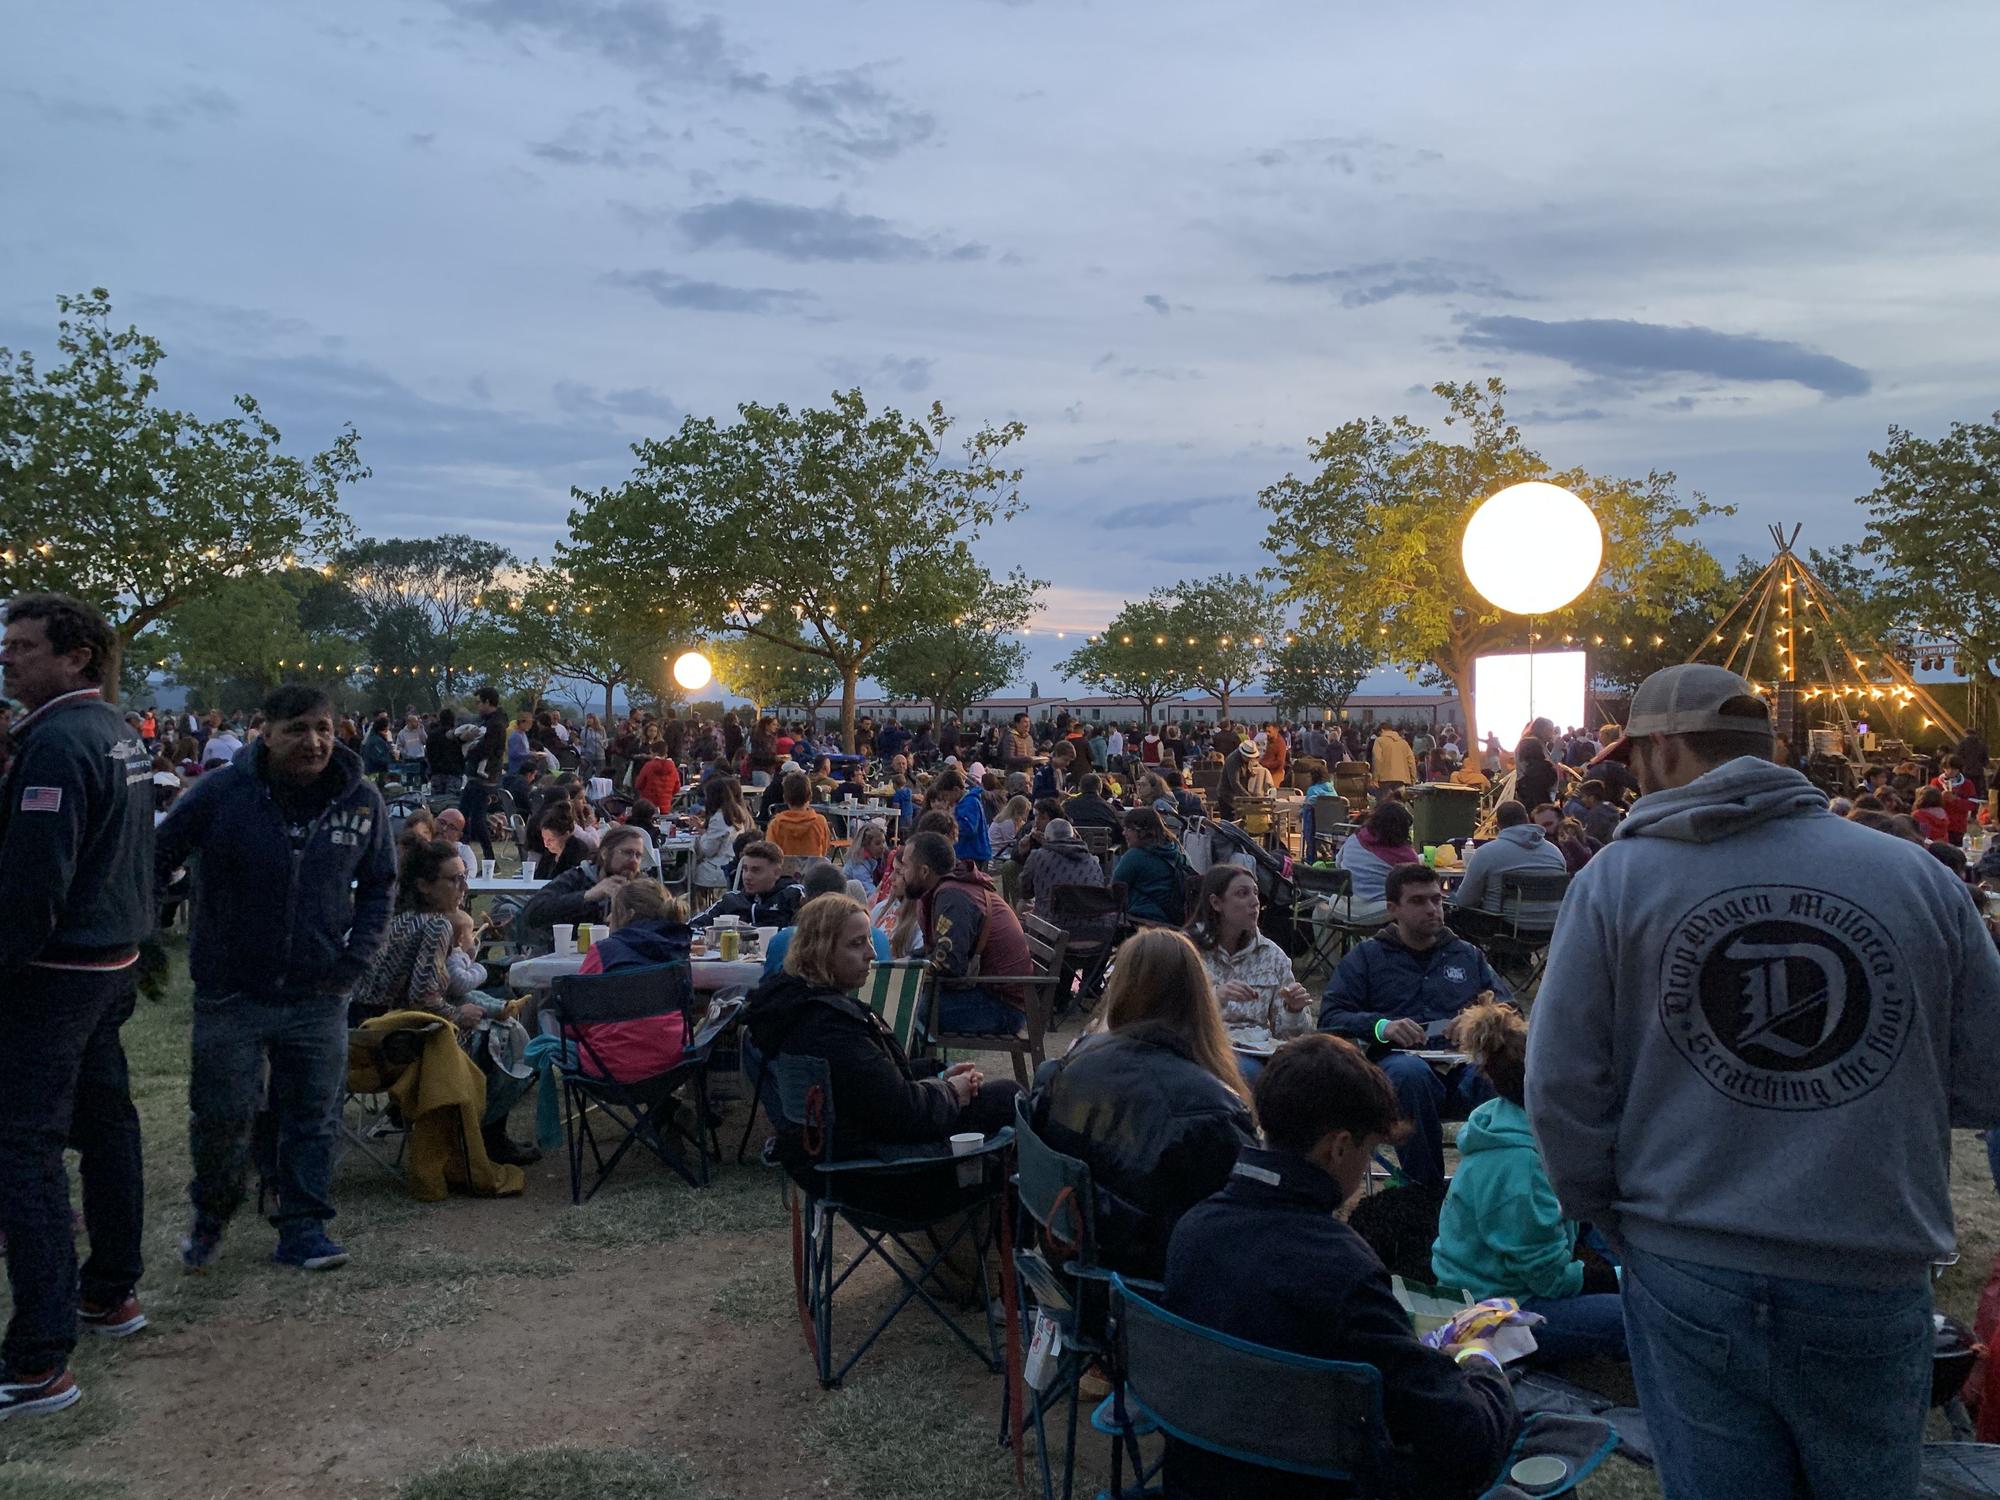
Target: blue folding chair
[(889, 1199)]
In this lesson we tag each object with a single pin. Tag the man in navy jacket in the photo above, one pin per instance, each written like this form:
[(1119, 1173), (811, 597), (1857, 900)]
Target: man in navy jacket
[(1390, 995), (293, 888)]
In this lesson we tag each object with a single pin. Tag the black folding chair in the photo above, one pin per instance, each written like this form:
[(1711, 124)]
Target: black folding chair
[(640, 1111), (1520, 947), (891, 1200), (1094, 917)]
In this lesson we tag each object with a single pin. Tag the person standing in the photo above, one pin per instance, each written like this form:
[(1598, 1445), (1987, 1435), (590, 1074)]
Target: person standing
[(76, 836), (485, 763), (1758, 1026), (292, 896)]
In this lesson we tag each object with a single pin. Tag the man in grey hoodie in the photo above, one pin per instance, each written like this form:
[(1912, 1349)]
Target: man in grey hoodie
[(1518, 845), (1758, 1027)]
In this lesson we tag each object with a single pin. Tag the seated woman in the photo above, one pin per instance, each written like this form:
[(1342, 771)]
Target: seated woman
[(561, 850), (1369, 855), (881, 1098), (424, 963), (1151, 1100), (1152, 869), (1251, 976), (648, 927), (1502, 1233)]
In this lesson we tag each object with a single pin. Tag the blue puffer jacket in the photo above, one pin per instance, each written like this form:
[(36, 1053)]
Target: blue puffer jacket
[(1382, 978), (269, 922)]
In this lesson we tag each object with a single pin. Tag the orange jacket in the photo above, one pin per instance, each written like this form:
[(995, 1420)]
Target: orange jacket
[(800, 830)]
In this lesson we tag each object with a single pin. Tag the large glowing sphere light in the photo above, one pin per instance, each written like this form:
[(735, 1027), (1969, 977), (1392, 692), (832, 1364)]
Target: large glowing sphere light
[(691, 670), (1532, 548)]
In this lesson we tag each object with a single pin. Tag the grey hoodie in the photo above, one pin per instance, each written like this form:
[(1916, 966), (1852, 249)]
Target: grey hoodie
[(1758, 1026), (1522, 847)]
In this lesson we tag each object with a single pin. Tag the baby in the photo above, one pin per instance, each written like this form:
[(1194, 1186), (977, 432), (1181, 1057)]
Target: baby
[(466, 974)]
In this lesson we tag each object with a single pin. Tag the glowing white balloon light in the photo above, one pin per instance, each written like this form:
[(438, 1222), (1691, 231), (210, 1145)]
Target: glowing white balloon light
[(1532, 548), (691, 670)]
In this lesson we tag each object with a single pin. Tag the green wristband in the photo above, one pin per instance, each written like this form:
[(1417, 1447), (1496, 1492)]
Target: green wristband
[(1382, 1030)]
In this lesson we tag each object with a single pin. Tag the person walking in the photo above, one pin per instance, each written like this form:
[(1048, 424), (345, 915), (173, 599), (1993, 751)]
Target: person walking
[(1758, 1026), (292, 897), (76, 837)]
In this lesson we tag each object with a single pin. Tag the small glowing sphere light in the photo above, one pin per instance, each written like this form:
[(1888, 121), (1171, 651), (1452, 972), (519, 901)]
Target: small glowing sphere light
[(1532, 548), (692, 670)]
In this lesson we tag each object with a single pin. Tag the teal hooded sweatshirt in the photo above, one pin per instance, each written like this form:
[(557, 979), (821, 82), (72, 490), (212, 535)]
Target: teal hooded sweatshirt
[(1502, 1233)]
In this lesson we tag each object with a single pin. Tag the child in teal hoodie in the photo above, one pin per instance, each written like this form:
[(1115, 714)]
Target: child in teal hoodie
[(1502, 1233)]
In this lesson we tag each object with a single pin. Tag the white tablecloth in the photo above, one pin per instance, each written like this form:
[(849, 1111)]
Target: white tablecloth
[(503, 885), (709, 974)]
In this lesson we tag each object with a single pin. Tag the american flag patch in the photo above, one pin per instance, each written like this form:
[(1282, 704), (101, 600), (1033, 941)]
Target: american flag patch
[(41, 799)]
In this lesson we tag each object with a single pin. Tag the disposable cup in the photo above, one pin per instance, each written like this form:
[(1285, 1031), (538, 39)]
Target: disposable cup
[(967, 1142), (565, 933), (489, 867), (598, 933)]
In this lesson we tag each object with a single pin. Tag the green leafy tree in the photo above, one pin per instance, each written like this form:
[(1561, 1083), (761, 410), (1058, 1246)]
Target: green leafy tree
[(439, 580), (1368, 544), (854, 527), (956, 662), (1317, 672), (585, 630), (236, 642), (1227, 625), (110, 496), (771, 669), (1139, 656)]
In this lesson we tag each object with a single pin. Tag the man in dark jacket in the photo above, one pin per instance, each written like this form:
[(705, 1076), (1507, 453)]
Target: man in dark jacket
[(293, 889), (76, 832), (584, 894), (485, 763), (764, 896), (971, 932), (1088, 809), (1266, 1260), (1393, 994)]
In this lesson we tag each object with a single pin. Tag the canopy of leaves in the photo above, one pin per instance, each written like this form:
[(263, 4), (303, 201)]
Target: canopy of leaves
[(1140, 655), (423, 594), (1317, 672), (1368, 545), (771, 669), (970, 656), (855, 526), (1227, 625), (588, 629)]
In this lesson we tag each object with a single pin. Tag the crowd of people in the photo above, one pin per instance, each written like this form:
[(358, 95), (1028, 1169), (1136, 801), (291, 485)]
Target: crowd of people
[(1724, 1127)]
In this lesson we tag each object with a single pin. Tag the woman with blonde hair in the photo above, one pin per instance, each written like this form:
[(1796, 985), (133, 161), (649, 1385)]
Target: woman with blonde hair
[(1153, 1101)]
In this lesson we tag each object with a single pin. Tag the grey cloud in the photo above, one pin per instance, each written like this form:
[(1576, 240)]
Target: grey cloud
[(908, 374), (801, 232), (1349, 155), (186, 107), (671, 290), (419, 139), (1366, 285), (1158, 303), (1620, 347), (600, 138), (855, 116), (1565, 414), (587, 400), (1152, 513), (1157, 372)]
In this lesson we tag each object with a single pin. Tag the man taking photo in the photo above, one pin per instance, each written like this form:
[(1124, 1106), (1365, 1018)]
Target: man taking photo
[(76, 835)]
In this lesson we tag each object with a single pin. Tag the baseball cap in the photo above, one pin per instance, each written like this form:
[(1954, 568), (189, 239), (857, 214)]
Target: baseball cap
[(1687, 699)]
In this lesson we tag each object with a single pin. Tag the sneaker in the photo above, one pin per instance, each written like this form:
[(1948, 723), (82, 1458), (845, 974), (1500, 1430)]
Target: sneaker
[(201, 1245), (111, 1320), (309, 1250), (34, 1395)]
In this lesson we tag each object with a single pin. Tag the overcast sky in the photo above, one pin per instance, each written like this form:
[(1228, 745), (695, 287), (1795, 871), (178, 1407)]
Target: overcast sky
[(506, 237)]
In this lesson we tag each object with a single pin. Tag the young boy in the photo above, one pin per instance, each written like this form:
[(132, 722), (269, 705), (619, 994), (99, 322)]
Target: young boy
[(1266, 1260), (798, 830)]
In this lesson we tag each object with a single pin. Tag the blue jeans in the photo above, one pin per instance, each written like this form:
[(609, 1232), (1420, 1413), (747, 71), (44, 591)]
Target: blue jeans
[(1423, 1096), (63, 1081), (304, 1038), (978, 1012), (1591, 1326), (1762, 1387)]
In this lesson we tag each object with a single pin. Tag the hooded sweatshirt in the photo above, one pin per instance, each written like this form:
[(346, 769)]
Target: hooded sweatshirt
[(1502, 1233), (1519, 848), (1758, 1025)]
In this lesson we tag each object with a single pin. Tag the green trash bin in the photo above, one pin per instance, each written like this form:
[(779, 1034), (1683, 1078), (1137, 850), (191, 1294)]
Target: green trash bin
[(1442, 812)]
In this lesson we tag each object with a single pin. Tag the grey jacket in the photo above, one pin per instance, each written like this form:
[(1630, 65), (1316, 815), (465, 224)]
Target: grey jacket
[(1758, 1027), (1059, 864), (1520, 848)]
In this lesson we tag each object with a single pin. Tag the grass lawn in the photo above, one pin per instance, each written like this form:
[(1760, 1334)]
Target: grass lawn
[(645, 1345)]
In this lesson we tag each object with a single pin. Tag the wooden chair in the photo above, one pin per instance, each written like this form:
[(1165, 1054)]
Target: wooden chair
[(1046, 943)]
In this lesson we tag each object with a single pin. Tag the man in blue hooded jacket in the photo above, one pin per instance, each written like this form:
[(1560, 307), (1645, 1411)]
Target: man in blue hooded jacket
[(293, 887)]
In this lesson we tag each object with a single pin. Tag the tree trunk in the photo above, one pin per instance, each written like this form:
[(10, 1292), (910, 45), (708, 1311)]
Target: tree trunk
[(850, 676), (114, 664), (1462, 681), (608, 686)]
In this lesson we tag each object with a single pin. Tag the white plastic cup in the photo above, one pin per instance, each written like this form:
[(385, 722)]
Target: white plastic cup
[(725, 921), (966, 1142), (598, 933), (565, 933), (489, 868)]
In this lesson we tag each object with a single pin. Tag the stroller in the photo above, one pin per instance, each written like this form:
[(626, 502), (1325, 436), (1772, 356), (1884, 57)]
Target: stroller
[(1231, 845)]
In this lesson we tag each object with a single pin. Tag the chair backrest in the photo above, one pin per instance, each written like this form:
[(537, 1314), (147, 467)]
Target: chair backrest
[(627, 995), (805, 1092), (1530, 898), (1046, 942), (1054, 1189), (894, 991), (1245, 1401), (1087, 913)]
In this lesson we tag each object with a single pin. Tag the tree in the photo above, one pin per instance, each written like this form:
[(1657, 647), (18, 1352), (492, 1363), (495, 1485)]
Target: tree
[(439, 581), (769, 670), (956, 662), (1368, 546), (1227, 625), (1317, 672), (854, 528), (1935, 530), (561, 625), (138, 508), (236, 642), (1138, 656)]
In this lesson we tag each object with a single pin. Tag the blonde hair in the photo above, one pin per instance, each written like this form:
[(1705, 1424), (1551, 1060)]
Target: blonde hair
[(1160, 978), (817, 934), (1495, 1037), (645, 901)]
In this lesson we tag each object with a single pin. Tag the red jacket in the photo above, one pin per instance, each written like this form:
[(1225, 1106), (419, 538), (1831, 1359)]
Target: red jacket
[(658, 781), (1958, 809)]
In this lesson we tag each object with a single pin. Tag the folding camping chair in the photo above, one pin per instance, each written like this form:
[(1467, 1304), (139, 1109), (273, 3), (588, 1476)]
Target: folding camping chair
[(1101, 842), (1520, 947), (376, 1058), (1046, 945), (890, 1201), (641, 1111), (1319, 897), (1093, 918)]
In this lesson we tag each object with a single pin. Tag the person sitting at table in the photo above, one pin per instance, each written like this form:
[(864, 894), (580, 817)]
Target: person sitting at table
[(1393, 993), (649, 926), (821, 880), (1014, 820), (1054, 776), (1517, 844), (1150, 1099), (852, 786), (1380, 845), (561, 850), (1250, 974), (1061, 859), (772, 802), (724, 816), (451, 828), (1088, 809), (765, 896), (798, 830), (1186, 804), (1269, 1260), (1502, 1233), (969, 932), (868, 859), (583, 894), (1152, 869)]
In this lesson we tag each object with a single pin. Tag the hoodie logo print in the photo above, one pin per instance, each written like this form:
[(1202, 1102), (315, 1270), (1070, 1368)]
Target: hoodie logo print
[(1784, 997)]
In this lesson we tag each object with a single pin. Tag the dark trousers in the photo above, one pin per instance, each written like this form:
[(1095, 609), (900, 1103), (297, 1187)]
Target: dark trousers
[(304, 1040), (472, 802), (63, 1081)]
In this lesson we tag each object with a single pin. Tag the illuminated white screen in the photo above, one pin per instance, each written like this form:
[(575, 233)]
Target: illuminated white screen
[(1504, 705)]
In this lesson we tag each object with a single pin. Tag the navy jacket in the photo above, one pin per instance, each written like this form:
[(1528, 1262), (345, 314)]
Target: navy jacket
[(1266, 1260), (268, 922), (1382, 978), (76, 835)]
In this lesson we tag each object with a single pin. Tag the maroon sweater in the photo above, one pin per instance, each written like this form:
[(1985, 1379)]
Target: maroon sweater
[(967, 919)]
